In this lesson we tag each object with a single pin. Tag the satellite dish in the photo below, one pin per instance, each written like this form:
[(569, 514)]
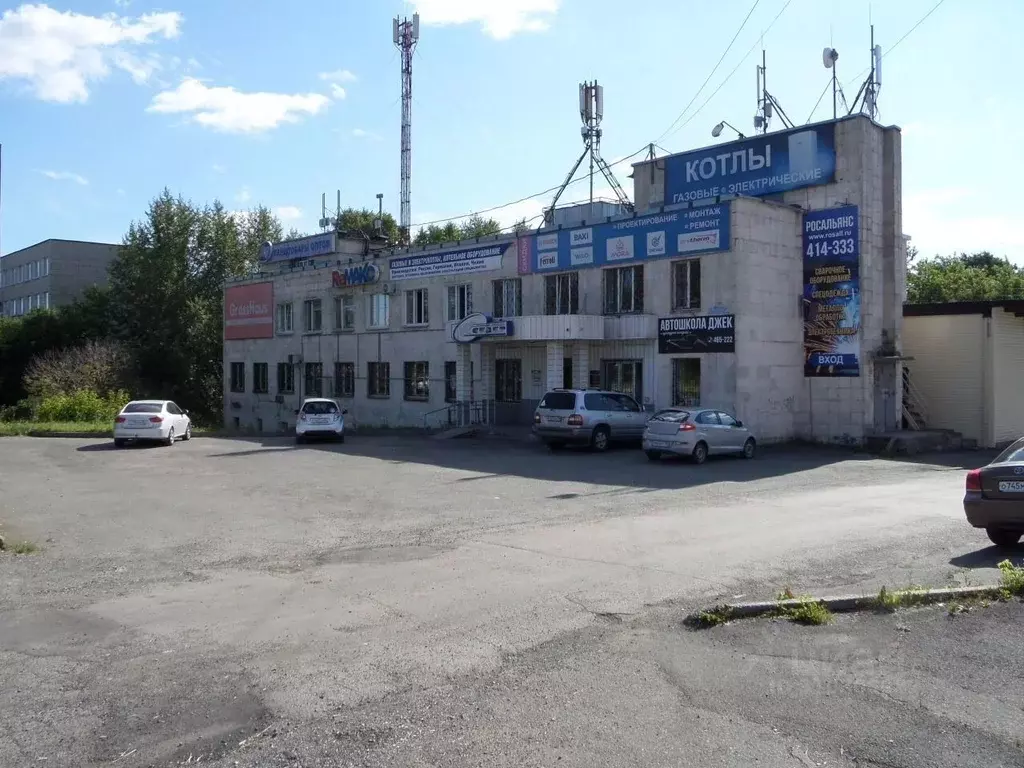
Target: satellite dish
[(717, 130), (829, 56)]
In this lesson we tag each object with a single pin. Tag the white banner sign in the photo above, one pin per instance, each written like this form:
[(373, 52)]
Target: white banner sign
[(482, 259)]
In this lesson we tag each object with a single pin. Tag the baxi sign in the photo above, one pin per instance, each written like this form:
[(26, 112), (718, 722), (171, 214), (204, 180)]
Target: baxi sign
[(249, 311), (364, 274), (762, 165)]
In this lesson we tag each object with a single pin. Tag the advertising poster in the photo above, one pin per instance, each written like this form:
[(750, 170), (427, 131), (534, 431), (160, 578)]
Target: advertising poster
[(701, 229), (698, 334), (761, 165), (249, 311), (832, 292), (304, 248), (484, 258)]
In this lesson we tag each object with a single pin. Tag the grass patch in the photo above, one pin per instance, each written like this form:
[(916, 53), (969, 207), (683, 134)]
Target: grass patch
[(1011, 579), (712, 618), (805, 610), (892, 600), (14, 428), (23, 548)]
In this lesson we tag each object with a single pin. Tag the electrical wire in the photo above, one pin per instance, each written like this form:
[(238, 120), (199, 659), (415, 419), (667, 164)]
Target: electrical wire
[(734, 70), (712, 73), (815, 107), (906, 34)]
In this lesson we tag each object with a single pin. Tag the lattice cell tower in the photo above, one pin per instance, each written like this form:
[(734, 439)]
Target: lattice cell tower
[(405, 34)]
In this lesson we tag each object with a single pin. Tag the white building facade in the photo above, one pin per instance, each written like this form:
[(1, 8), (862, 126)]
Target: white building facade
[(763, 276)]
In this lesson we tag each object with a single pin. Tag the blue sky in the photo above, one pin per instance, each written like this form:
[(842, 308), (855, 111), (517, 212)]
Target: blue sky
[(105, 102)]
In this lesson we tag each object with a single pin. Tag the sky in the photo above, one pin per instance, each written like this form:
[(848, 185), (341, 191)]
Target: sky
[(103, 103)]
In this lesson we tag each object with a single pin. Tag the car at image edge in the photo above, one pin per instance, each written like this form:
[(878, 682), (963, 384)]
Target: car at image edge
[(151, 420), (994, 496), (320, 417), (697, 433)]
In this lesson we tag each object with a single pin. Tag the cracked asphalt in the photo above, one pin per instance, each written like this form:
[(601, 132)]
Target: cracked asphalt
[(401, 601)]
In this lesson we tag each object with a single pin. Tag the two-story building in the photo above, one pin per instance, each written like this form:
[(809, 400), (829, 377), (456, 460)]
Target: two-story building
[(764, 276)]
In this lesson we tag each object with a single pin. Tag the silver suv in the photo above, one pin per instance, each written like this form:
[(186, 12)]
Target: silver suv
[(594, 417)]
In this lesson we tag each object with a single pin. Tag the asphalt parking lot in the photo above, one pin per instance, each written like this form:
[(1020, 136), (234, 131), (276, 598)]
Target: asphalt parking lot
[(188, 598)]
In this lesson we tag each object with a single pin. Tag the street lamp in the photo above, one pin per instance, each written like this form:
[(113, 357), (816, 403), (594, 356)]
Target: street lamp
[(717, 130)]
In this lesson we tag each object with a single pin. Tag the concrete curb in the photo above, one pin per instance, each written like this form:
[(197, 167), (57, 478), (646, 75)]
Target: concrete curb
[(847, 603)]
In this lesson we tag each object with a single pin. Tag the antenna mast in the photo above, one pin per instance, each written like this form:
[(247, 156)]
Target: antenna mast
[(591, 113), (869, 88), (405, 34)]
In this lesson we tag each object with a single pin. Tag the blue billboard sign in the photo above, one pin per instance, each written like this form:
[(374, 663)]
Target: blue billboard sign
[(618, 243), (762, 165), (303, 248), (831, 297)]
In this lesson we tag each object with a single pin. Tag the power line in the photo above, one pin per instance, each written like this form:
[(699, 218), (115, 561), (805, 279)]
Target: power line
[(734, 71), (717, 65), (906, 34), (815, 107)]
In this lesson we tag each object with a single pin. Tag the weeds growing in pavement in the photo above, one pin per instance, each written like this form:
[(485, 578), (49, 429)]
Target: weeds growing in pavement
[(24, 548), (1011, 579), (901, 598), (807, 610), (712, 618)]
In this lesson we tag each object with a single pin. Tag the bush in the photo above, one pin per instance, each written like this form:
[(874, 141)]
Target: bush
[(82, 405), (97, 366)]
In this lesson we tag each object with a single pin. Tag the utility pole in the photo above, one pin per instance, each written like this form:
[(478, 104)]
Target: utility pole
[(405, 34)]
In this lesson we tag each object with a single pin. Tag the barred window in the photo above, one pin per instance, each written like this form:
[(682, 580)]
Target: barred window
[(344, 379), (686, 381), (508, 381), (378, 379), (417, 380)]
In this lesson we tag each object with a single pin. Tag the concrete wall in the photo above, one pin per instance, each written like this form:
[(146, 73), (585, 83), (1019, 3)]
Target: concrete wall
[(73, 267), (949, 370), (1007, 345)]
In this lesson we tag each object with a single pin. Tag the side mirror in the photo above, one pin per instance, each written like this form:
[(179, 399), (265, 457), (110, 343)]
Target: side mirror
[(739, 423), (296, 411), (344, 411)]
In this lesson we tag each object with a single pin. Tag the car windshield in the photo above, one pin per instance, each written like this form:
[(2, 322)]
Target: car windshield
[(559, 401), (1014, 452), (674, 416), (319, 409), (143, 408)]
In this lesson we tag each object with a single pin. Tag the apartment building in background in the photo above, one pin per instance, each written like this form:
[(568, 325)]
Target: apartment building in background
[(51, 274)]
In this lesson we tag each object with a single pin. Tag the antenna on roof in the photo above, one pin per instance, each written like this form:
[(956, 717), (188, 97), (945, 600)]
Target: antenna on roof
[(767, 105), (868, 93)]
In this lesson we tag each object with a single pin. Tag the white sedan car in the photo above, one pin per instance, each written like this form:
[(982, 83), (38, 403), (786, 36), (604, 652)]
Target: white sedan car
[(320, 417), (156, 420)]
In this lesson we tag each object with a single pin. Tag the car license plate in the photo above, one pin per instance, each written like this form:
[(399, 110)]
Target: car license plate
[(553, 419), (658, 444), (1011, 486)]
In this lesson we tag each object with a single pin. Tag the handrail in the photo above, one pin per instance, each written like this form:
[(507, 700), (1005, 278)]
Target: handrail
[(446, 410), (466, 413), (915, 410)]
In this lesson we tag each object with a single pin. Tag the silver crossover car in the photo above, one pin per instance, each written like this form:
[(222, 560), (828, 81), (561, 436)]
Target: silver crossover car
[(696, 433), (594, 417)]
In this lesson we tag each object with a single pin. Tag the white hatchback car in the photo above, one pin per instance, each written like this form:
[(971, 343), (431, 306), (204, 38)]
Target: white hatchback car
[(156, 420), (320, 417)]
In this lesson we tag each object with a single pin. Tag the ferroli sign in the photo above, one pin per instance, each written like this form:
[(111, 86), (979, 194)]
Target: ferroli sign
[(249, 311), (761, 165), (697, 334), (479, 326), (303, 248), (363, 274)]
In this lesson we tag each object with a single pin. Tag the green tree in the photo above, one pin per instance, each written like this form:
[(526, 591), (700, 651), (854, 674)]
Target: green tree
[(166, 294), (964, 277), (471, 228), (360, 221)]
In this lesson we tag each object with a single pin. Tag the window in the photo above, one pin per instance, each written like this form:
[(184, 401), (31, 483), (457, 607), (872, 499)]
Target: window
[(285, 378), (508, 298), (726, 419), (47, 299), (47, 265), (378, 379), (686, 381), (344, 379), (313, 315), (260, 378), (708, 417), (562, 294), (284, 318), (380, 309), (1014, 452), (417, 381), (508, 381), (624, 290), (344, 313), (624, 376), (450, 390), (238, 377), (460, 301), (686, 284), (566, 401), (416, 307), (314, 380)]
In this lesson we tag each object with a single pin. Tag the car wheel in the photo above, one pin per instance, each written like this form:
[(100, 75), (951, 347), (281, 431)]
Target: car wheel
[(700, 453), (653, 455), (748, 448), (599, 439), (556, 445), (170, 437), (119, 443), (188, 433), (1002, 537)]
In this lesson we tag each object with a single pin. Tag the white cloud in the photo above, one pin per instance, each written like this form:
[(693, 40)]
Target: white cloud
[(362, 133), (337, 92), (243, 195), (288, 212), (66, 176), (218, 168), (58, 53), (499, 18), (226, 109), (338, 76)]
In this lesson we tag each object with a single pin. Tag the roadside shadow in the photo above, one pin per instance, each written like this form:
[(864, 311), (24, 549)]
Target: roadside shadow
[(988, 557), (109, 446), (953, 460)]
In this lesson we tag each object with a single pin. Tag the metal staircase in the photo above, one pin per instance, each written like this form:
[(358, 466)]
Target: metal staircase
[(915, 414)]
